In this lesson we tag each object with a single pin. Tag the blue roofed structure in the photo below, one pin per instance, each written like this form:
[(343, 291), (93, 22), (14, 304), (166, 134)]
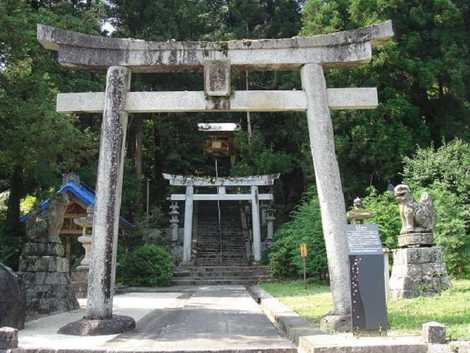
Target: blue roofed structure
[(79, 192)]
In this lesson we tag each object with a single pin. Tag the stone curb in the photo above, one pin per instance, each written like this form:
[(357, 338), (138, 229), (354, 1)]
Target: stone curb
[(289, 321), (312, 340)]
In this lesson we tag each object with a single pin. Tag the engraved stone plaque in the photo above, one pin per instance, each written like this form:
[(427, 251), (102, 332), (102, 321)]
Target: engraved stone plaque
[(366, 260)]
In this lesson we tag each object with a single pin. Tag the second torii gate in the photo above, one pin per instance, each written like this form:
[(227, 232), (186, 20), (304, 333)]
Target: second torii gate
[(190, 182), (120, 57)]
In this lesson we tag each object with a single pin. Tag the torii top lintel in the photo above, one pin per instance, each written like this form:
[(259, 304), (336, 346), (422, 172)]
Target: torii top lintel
[(190, 180), (97, 53)]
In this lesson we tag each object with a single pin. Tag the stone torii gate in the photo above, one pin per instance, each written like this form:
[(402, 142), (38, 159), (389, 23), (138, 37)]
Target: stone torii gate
[(120, 57), (253, 182)]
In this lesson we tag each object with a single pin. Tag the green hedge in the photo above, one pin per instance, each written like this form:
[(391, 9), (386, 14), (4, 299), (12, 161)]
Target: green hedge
[(147, 265)]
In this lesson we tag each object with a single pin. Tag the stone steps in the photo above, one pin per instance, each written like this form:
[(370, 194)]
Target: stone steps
[(209, 275), (212, 248), (220, 275), (216, 281)]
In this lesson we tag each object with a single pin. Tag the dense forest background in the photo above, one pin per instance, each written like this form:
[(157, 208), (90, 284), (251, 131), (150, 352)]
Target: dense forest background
[(422, 76)]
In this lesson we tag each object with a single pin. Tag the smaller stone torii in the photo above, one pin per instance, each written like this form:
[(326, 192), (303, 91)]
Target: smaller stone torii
[(121, 57), (190, 182)]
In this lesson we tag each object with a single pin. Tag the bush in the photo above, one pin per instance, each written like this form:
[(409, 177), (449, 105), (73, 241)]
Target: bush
[(385, 214), (304, 227), (449, 165), (450, 231), (148, 265), (445, 174)]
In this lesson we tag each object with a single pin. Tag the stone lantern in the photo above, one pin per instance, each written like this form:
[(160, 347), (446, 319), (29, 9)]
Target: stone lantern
[(85, 239), (174, 221), (358, 214), (80, 275), (270, 218)]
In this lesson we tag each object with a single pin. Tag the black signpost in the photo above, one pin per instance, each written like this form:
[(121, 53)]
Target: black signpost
[(366, 264)]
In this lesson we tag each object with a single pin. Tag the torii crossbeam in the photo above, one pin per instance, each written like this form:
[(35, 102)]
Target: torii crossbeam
[(120, 57)]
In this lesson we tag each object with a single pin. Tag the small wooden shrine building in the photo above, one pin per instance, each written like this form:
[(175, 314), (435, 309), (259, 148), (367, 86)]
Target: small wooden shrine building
[(80, 198)]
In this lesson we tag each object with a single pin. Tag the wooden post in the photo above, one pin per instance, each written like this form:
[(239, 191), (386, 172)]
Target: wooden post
[(303, 254)]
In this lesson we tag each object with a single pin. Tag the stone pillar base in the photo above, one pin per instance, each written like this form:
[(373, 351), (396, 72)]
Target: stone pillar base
[(415, 240), (336, 323), (8, 338), (418, 272), (88, 327), (80, 282)]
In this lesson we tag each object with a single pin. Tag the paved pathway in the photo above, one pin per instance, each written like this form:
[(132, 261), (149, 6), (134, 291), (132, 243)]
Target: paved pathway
[(198, 319)]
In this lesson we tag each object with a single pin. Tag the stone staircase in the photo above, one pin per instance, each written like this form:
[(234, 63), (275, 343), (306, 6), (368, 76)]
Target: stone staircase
[(227, 248), (220, 257), (220, 275)]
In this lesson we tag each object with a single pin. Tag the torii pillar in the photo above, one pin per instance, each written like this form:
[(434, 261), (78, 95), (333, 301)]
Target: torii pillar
[(330, 192)]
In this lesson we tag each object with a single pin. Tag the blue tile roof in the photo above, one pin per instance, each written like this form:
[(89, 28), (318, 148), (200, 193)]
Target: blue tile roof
[(80, 192)]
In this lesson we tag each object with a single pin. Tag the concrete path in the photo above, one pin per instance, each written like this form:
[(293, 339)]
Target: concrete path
[(208, 318)]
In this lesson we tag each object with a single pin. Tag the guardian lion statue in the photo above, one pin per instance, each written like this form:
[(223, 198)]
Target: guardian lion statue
[(416, 217), (45, 225)]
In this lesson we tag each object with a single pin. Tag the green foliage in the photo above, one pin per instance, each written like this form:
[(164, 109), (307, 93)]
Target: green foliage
[(385, 214), (147, 265), (205, 19), (37, 144), (444, 174), (422, 76), (452, 229), (256, 158), (304, 227), (406, 316), (449, 165)]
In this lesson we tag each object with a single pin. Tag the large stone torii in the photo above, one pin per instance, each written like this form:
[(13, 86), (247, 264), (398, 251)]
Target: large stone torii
[(120, 57)]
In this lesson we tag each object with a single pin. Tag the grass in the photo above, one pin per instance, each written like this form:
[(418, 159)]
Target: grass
[(406, 316)]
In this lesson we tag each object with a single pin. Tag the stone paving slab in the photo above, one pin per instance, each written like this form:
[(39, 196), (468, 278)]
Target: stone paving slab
[(206, 319)]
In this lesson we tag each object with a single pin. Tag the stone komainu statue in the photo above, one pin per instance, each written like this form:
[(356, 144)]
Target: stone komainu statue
[(416, 217), (46, 224)]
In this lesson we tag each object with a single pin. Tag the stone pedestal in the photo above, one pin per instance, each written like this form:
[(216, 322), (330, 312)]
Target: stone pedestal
[(44, 271), (80, 282), (418, 267), (89, 327), (8, 338), (434, 332), (336, 323)]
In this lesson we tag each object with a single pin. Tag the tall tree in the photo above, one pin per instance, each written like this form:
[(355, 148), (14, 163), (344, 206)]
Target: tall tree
[(176, 145), (422, 77), (36, 143)]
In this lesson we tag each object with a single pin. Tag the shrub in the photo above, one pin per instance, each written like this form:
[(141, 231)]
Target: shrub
[(449, 232), (385, 214), (147, 265), (304, 227), (449, 165), (445, 173)]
